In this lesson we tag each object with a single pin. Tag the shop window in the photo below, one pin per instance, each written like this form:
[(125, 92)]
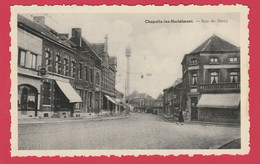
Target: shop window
[(66, 67), (233, 77), (73, 69), (80, 104), (194, 78), (214, 77), (48, 59), (46, 93), (27, 98), (58, 64)]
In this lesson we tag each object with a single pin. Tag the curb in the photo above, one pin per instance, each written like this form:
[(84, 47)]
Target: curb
[(72, 120)]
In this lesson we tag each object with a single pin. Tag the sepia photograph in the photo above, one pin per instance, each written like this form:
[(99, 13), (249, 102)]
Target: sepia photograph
[(148, 79)]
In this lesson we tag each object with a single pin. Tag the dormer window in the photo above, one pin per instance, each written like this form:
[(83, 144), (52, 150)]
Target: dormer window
[(233, 60), (193, 62), (214, 60)]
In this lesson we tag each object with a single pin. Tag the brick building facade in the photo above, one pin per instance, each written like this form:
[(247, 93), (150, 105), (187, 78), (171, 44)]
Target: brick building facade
[(57, 76), (211, 80)]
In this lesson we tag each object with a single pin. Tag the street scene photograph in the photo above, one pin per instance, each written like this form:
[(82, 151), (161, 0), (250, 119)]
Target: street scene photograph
[(128, 81)]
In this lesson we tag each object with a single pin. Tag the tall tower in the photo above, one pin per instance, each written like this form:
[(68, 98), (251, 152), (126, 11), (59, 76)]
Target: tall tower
[(128, 55), (106, 44)]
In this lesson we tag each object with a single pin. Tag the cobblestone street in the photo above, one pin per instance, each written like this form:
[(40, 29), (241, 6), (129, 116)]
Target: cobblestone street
[(139, 131)]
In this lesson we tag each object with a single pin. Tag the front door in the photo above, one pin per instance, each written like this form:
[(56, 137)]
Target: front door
[(194, 108), (24, 98)]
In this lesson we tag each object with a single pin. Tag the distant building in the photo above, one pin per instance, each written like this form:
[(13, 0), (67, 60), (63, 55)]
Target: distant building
[(173, 98), (108, 75), (158, 103), (141, 101), (211, 81)]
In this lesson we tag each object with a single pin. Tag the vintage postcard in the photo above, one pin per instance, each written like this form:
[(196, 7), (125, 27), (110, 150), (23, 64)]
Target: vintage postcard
[(129, 80)]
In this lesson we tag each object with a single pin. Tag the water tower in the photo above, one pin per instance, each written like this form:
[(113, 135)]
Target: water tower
[(128, 55)]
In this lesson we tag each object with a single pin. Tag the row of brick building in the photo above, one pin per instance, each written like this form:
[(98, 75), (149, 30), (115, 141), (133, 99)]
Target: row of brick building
[(210, 86), (60, 76)]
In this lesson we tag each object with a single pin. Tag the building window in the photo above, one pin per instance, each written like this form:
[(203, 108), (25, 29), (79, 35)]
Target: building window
[(91, 75), (34, 61), (97, 78), (214, 60), (193, 62), (27, 59), (46, 93), (66, 67), (73, 67), (194, 78), (233, 77), (214, 77), (233, 60), (48, 60), (86, 72), (21, 57), (58, 64), (79, 105), (90, 99), (80, 71)]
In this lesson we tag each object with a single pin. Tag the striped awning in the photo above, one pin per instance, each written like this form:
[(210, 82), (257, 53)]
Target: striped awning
[(110, 99), (69, 92)]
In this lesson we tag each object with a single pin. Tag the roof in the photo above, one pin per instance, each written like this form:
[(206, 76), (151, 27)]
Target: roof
[(160, 97), (98, 48), (44, 30), (177, 82), (143, 95), (216, 44), (227, 100)]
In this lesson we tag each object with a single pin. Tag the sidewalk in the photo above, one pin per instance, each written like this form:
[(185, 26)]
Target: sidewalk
[(69, 119), (171, 119)]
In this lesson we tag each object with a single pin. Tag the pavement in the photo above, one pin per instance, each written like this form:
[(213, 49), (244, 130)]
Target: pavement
[(203, 123), (69, 119), (138, 131)]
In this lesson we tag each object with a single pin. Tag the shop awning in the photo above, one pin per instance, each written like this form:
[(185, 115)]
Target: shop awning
[(230, 100), (110, 99), (69, 92)]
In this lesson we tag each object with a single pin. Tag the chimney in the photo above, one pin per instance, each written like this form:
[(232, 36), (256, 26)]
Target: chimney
[(76, 35), (106, 44), (39, 19)]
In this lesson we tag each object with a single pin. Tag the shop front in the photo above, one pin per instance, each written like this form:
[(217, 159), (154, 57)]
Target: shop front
[(65, 97), (27, 101), (219, 108)]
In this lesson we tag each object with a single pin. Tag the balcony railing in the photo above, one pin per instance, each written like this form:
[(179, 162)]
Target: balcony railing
[(220, 87)]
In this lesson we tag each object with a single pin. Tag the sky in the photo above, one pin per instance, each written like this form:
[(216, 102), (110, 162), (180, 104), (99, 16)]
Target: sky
[(157, 48)]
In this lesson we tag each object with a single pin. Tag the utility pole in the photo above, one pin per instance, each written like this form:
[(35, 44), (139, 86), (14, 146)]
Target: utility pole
[(127, 87)]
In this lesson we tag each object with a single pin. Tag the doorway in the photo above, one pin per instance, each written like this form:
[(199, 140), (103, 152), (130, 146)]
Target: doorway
[(27, 99), (194, 108)]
